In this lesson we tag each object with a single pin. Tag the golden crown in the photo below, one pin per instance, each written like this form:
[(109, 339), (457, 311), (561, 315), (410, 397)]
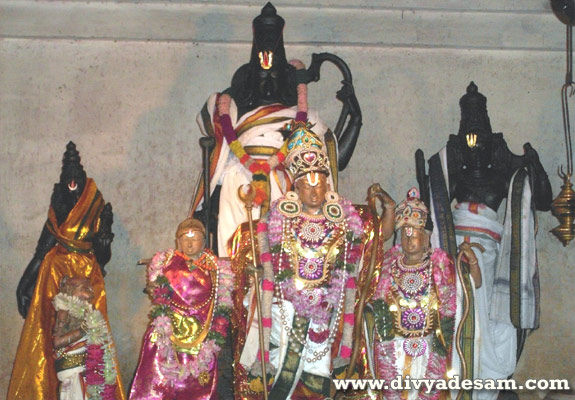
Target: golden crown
[(305, 151), (411, 211)]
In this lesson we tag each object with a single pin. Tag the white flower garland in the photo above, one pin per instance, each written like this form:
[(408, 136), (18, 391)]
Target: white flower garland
[(97, 333)]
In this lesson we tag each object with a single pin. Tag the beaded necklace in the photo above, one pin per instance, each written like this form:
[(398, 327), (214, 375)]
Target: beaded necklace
[(198, 366), (206, 261), (277, 279), (333, 234), (386, 354), (412, 297)]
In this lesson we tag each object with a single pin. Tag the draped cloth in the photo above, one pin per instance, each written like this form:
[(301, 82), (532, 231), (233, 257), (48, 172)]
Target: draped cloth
[(495, 342), (259, 133), (33, 374), (515, 297), (509, 296), (389, 345), (73, 385), (192, 306)]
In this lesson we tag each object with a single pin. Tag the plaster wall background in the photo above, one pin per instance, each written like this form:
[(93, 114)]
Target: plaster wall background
[(124, 80)]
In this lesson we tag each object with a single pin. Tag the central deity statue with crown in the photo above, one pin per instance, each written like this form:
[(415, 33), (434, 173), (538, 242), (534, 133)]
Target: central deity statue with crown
[(310, 247)]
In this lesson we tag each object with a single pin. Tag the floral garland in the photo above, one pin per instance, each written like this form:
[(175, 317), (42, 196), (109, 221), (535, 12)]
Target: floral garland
[(317, 311), (162, 293), (100, 355), (444, 282), (443, 277), (270, 232), (260, 169), (387, 371)]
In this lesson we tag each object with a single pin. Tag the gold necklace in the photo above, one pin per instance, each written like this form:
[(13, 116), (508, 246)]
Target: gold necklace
[(326, 252)]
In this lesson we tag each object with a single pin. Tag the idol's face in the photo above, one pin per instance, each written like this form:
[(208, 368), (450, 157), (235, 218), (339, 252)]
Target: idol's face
[(476, 151), (311, 190), (413, 243), (268, 85), (191, 243), (72, 181)]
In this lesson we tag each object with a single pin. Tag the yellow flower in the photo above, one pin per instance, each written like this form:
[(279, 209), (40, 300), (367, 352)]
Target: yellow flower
[(256, 385), (237, 149)]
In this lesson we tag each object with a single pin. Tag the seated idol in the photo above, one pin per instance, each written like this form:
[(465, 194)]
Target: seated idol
[(414, 305), (190, 291)]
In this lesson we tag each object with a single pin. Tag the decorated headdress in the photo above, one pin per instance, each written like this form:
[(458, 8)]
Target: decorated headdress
[(190, 224), (305, 151), (474, 118), (411, 211), (268, 54), (71, 161)]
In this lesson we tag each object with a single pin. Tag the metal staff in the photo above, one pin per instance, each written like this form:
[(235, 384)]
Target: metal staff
[(373, 193), (464, 316), (207, 143), (247, 198)]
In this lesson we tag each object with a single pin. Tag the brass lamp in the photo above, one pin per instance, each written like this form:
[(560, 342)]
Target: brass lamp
[(563, 207)]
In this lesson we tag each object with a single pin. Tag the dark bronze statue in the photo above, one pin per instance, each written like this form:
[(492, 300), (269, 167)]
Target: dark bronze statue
[(75, 242), (253, 86), (478, 171), (481, 166), (64, 198), (250, 115)]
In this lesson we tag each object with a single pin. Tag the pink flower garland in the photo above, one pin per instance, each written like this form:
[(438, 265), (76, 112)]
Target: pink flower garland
[(385, 366), (320, 313), (444, 279), (301, 93), (270, 234), (157, 265)]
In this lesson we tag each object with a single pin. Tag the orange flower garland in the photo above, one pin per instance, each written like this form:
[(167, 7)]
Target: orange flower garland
[(260, 169)]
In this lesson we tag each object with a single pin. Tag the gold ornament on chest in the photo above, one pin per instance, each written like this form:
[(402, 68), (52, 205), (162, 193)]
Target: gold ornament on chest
[(312, 265)]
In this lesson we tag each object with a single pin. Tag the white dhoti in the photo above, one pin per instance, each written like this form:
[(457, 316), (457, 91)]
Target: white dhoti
[(258, 137), (495, 341), (72, 385), (279, 340), (495, 335)]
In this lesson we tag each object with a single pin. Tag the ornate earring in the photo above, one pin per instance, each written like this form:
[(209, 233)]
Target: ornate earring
[(332, 210), (290, 206)]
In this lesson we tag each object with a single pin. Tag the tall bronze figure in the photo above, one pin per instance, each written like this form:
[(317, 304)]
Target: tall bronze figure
[(248, 122), (74, 242), (478, 170)]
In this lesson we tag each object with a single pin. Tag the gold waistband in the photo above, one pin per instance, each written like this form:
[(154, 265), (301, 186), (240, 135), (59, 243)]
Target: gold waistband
[(68, 361), (260, 150)]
